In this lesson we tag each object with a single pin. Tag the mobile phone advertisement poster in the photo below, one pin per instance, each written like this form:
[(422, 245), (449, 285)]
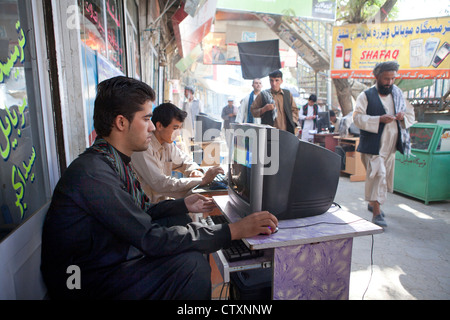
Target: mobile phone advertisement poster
[(421, 47)]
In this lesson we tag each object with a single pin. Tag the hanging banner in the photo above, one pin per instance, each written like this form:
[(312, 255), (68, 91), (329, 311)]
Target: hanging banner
[(259, 58), (189, 31), (288, 58), (421, 47), (189, 59)]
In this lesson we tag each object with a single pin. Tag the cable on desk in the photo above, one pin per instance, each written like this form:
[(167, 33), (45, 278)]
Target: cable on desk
[(335, 204), (227, 286), (320, 222)]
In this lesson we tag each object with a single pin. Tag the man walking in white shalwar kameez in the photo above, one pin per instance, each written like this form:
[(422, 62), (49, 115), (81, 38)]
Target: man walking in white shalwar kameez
[(383, 117)]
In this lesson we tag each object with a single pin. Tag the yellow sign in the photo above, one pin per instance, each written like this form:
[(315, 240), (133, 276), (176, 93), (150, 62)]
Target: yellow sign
[(421, 47)]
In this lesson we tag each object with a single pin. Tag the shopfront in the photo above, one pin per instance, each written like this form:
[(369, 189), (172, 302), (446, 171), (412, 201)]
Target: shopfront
[(26, 161), (93, 40), (109, 47), (52, 56), (29, 161)]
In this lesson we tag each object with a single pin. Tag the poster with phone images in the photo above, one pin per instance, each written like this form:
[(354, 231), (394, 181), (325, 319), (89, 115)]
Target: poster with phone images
[(214, 48), (421, 47)]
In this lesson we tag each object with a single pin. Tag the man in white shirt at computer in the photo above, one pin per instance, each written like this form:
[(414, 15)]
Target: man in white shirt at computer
[(155, 165)]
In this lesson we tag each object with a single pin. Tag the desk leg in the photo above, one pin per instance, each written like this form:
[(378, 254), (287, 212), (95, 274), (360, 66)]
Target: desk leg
[(318, 271)]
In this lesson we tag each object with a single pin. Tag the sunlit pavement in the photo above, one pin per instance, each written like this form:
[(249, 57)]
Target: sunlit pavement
[(410, 259)]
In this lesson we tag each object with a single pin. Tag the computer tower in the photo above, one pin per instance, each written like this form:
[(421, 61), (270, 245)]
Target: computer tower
[(255, 284)]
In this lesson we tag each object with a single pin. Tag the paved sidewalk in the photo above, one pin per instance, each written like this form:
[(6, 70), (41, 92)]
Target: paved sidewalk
[(411, 259)]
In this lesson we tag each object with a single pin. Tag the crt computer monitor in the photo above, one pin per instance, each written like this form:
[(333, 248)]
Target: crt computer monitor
[(323, 121), (271, 169), (207, 128)]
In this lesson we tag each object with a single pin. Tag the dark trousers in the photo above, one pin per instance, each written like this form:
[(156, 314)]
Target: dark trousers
[(184, 276)]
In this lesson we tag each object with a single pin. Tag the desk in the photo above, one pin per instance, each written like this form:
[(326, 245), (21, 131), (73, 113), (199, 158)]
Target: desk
[(310, 257), (353, 164), (326, 140)]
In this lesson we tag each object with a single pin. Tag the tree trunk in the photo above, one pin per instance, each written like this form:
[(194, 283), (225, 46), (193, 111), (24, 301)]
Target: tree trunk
[(344, 95), (356, 87), (384, 11)]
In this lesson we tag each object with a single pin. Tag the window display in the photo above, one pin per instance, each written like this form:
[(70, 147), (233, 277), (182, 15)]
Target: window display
[(24, 179), (101, 29)]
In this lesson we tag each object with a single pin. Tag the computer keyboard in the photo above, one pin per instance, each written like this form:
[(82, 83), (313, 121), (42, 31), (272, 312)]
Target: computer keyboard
[(221, 178), (238, 250), (219, 182)]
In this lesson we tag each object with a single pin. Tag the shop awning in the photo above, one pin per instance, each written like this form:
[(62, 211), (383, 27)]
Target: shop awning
[(190, 31), (411, 84)]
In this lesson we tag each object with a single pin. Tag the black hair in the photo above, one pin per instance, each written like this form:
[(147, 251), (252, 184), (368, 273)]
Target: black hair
[(276, 74), (313, 98), (166, 112), (385, 66), (119, 96)]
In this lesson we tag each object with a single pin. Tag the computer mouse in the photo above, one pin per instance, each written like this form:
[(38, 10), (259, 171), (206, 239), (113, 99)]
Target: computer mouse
[(264, 234)]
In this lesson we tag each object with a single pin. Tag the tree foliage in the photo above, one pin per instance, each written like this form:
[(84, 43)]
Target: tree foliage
[(360, 11)]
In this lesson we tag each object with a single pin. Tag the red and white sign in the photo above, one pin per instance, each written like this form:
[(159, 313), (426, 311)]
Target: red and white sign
[(190, 31)]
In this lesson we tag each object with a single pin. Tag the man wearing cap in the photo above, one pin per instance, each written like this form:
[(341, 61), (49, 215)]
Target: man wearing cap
[(193, 107), (383, 117), (229, 113)]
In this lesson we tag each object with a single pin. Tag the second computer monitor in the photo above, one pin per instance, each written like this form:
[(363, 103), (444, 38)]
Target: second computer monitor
[(207, 128), (323, 121)]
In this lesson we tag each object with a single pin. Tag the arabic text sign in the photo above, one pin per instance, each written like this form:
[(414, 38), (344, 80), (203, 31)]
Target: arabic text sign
[(421, 47), (18, 155)]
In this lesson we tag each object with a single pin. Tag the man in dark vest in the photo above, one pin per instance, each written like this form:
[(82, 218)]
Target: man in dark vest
[(308, 117), (275, 106), (383, 117)]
